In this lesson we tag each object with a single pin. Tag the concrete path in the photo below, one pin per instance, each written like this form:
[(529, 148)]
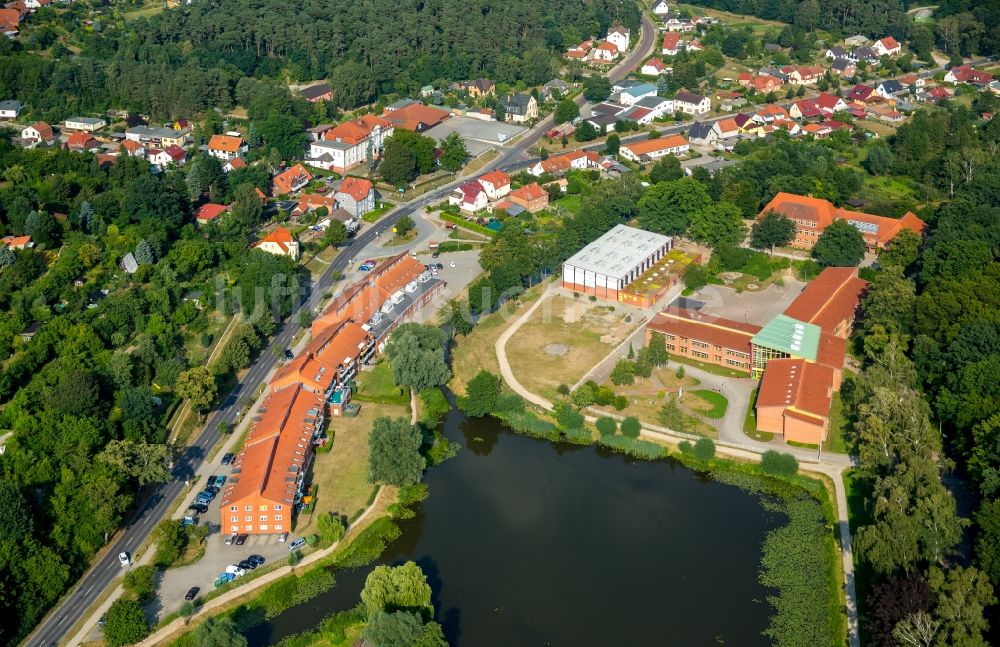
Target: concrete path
[(832, 465)]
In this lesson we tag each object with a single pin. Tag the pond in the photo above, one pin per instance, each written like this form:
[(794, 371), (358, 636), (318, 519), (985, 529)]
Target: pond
[(526, 542)]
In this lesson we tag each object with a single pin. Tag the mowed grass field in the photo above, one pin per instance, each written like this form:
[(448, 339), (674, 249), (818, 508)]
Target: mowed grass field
[(563, 340)]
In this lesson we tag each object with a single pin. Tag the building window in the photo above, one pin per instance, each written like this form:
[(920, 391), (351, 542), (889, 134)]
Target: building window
[(277, 517), (248, 528), (263, 526), (263, 517), (232, 508), (248, 508), (699, 354), (234, 528), (247, 518), (263, 508), (671, 347), (278, 526), (234, 518)]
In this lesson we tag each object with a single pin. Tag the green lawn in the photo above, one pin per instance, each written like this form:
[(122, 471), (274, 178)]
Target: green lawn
[(839, 427), (379, 211), (377, 386), (716, 401), (750, 422), (710, 368)]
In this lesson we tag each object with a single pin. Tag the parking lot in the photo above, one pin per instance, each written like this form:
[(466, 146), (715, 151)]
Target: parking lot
[(478, 135)]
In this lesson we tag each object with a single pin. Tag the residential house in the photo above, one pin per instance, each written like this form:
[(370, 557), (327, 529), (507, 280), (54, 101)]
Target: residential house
[(837, 52), (702, 133), (469, 197), (84, 124), (478, 87), (350, 143), (661, 8), (605, 52), (580, 52), (969, 75), (641, 116), (631, 96), (520, 108), (530, 196), (890, 89), (769, 113), (10, 109), (861, 93), (830, 103), (309, 202), (156, 136), (805, 109), (868, 55), (427, 91), (857, 40), (887, 46), (789, 126), (318, 92), (227, 147), (604, 123), (765, 83), (843, 67), (38, 133), (17, 242), (619, 37), (414, 116), (818, 131), (812, 215), (673, 23), (671, 43), (620, 86), (164, 158), (658, 106), (937, 94), (233, 164), (496, 183), (209, 212), (356, 196), (653, 149), (82, 141), (692, 104), (914, 81), (279, 242), (10, 19), (550, 89), (726, 128), (290, 180), (653, 67), (694, 46), (805, 75)]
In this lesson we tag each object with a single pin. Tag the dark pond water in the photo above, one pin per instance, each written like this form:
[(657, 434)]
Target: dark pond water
[(529, 543)]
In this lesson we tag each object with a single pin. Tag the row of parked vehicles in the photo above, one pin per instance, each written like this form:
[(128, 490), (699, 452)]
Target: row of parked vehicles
[(200, 505), (234, 571)]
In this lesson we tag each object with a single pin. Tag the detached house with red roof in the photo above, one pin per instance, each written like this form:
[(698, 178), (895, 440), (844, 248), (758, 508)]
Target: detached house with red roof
[(356, 196), (37, 133), (605, 52), (169, 155), (813, 215), (671, 43), (530, 196), (209, 212), (227, 147), (469, 197), (82, 141), (887, 46), (969, 75), (290, 180), (496, 183), (279, 242), (861, 93)]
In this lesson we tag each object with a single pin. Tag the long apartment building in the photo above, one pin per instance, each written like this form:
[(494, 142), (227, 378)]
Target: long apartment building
[(798, 355), (813, 215), (387, 296), (269, 472)]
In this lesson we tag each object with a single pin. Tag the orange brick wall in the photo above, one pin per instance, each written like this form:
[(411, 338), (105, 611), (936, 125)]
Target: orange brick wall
[(257, 525)]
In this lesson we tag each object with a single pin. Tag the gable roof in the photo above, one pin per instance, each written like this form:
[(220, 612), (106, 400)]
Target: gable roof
[(290, 177), (671, 39), (81, 140), (700, 130), (529, 192), (688, 97), (717, 331), (416, 116), (647, 146), (355, 131), (888, 42), (832, 297), (44, 130), (802, 386), (225, 143), (356, 187), (210, 211), (280, 236)]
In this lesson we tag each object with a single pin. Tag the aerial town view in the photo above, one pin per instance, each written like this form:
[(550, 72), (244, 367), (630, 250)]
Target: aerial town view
[(537, 322)]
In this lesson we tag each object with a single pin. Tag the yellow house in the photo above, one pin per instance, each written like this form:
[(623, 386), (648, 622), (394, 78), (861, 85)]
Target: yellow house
[(279, 242)]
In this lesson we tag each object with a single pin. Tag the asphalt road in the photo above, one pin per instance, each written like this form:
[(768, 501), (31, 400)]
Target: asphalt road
[(89, 588)]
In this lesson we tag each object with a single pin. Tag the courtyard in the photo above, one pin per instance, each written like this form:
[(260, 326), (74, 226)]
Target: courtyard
[(478, 135)]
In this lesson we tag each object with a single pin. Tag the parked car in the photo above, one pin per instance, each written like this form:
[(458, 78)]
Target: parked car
[(451, 264), (192, 593), (227, 458), (435, 254), (189, 521), (297, 544), (288, 354), (216, 482), (214, 489), (124, 559), (365, 267), (256, 559), (230, 539), (247, 565), (440, 266), (200, 508), (242, 539)]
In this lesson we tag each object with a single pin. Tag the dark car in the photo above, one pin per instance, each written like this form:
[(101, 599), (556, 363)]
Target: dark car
[(214, 489), (247, 565), (256, 559), (435, 254), (227, 458), (242, 539), (198, 507), (288, 354), (192, 593)]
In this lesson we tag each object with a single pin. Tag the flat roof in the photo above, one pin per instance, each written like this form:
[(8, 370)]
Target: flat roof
[(617, 252), (797, 338)]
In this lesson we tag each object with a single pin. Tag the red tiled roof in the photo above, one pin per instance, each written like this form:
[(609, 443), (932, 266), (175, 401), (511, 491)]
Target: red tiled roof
[(529, 192), (829, 299), (280, 236), (81, 140), (209, 211), (44, 130), (652, 145), (415, 114), (289, 178), (496, 177), (356, 187), (225, 143), (796, 384), (717, 331), (670, 40)]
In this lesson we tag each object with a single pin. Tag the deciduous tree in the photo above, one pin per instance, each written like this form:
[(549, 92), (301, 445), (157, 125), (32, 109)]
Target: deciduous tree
[(840, 245), (394, 456)]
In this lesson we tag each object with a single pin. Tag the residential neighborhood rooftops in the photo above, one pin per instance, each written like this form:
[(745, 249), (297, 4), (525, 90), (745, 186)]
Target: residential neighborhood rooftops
[(416, 117), (646, 146), (226, 143), (280, 237), (209, 211)]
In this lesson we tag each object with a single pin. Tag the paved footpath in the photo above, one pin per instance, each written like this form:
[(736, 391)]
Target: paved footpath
[(831, 465)]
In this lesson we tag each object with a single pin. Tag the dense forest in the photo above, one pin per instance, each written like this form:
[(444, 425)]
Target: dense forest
[(85, 401), (961, 27), (184, 61)]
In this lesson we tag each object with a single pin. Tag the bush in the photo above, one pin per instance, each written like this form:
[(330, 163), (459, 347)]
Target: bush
[(704, 449), (779, 464), (607, 426), (125, 623), (562, 389), (623, 372), (584, 396), (139, 582), (330, 528), (620, 402), (631, 427), (633, 447), (604, 396), (567, 417), (509, 402)]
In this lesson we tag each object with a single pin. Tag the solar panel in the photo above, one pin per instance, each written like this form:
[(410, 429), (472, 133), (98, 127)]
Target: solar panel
[(864, 227)]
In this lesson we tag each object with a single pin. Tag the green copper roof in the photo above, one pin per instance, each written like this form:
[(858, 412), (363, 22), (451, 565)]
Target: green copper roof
[(791, 336)]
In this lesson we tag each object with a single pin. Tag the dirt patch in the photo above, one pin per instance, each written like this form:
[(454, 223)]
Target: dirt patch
[(557, 349)]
